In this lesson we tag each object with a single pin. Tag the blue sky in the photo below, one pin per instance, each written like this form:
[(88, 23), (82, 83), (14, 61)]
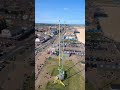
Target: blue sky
[(68, 11)]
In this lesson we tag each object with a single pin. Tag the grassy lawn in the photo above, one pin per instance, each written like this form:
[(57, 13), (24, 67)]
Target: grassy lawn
[(73, 80)]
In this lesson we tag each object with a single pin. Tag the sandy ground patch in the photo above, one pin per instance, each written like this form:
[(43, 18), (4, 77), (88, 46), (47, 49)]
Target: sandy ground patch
[(81, 35)]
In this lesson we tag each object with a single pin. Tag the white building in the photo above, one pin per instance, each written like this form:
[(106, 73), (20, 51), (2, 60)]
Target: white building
[(6, 33), (10, 32), (37, 40)]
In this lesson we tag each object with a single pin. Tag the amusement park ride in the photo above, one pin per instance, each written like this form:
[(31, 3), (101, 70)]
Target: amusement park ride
[(61, 73)]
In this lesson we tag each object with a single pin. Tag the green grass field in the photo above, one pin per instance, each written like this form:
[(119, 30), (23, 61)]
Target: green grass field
[(73, 80)]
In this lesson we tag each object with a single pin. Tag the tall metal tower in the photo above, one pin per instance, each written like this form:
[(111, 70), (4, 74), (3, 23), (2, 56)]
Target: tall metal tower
[(58, 79)]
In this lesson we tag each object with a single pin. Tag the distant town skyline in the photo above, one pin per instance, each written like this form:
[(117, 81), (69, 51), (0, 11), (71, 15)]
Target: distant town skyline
[(68, 11)]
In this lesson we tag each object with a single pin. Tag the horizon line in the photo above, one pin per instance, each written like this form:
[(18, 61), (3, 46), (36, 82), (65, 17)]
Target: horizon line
[(57, 23)]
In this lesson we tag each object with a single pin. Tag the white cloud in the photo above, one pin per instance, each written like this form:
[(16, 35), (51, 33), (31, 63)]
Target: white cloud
[(66, 8)]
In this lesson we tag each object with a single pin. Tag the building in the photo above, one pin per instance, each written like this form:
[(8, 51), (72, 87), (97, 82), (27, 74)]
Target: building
[(11, 32), (37, 40), (70, 37), (54, 32)]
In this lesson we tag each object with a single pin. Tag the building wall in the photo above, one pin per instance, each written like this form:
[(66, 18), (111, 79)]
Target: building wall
[(6, 33)]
